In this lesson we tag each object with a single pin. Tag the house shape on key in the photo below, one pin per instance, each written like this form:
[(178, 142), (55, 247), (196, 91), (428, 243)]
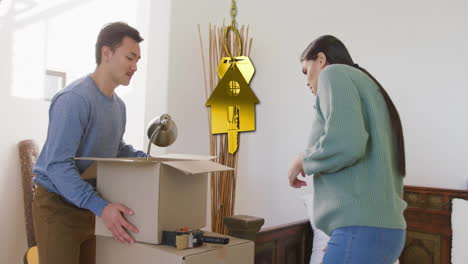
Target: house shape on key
[(232, 104)]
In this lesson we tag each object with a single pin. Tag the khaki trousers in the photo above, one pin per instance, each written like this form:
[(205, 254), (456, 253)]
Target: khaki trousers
[(64, 232)]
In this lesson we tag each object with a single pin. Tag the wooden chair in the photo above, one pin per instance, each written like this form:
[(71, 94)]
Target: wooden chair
[(28, 152)]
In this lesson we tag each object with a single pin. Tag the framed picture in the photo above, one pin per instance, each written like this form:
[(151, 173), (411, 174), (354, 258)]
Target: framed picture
[(54, 82)]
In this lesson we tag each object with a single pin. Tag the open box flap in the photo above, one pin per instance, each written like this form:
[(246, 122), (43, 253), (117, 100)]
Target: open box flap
[(136, 159), (159, 158), (186, 157), (197, 166), (178, 161), (91, 171), (131, 160)]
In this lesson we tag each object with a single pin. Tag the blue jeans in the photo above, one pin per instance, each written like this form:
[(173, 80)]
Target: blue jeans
[(364, 245)]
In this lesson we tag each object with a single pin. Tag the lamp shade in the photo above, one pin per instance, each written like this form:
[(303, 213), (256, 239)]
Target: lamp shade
[(162, 131)]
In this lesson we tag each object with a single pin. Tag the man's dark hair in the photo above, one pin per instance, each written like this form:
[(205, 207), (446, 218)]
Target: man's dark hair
[(111, 35)]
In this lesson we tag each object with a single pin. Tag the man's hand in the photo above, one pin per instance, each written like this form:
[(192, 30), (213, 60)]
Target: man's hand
[(113, 219), (294, 171)]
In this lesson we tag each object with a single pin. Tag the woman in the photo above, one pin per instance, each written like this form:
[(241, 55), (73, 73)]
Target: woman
[(356, 156)]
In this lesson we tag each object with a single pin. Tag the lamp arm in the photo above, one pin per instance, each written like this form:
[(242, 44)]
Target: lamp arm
[(155, 133)]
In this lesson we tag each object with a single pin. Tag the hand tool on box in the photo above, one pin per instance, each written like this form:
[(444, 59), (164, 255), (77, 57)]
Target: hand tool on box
[(187, 238)]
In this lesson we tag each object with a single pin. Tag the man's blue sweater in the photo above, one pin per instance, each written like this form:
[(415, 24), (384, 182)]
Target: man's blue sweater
[(83, 122)]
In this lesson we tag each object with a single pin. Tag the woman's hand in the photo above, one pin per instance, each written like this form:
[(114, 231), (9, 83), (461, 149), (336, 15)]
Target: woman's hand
[(294, 171)]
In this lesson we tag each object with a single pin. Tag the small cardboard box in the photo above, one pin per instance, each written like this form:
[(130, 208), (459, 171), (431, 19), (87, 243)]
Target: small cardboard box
[(166, 193), (238, 251)]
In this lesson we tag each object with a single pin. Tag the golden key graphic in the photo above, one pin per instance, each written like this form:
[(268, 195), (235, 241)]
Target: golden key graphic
[(243, 63), (233, 127), (233, 101)]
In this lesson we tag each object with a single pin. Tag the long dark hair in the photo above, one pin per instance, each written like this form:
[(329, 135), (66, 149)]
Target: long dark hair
[(336, 53)]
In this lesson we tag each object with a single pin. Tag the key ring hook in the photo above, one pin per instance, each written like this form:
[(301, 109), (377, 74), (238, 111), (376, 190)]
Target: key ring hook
[(236, 32)]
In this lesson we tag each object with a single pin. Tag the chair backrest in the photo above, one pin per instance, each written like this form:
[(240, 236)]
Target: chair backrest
[(28, 152)]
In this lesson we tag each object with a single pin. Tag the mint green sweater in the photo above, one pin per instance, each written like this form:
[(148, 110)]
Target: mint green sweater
[(352, 154)]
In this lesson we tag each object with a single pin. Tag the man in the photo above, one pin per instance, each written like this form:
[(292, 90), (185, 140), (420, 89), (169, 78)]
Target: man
[(86, 119)]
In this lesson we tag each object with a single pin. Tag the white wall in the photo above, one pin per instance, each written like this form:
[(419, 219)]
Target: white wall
[(416, 49), (158, 39), (40, 35), (19, 121)]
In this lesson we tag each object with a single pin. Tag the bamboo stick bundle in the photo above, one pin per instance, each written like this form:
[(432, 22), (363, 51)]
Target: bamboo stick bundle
[(223, 184)]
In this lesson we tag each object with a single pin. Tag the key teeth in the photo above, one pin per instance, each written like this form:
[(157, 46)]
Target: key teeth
[(232, 142), (232, 149)]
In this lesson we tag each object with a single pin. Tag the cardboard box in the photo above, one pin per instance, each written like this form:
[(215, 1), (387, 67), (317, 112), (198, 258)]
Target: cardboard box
[(166, 193), (238, 251)]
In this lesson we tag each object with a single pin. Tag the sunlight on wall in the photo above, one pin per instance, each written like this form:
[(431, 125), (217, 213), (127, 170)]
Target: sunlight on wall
[(28, 61), (60, 36), (5, 5)]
